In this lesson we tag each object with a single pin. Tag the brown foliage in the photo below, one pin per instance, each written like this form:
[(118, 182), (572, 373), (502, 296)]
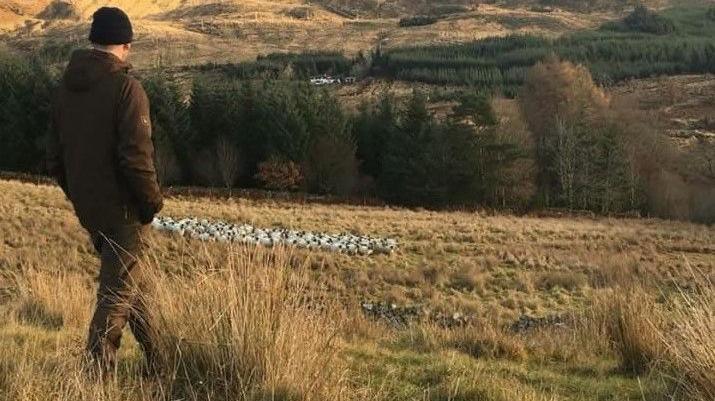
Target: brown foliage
[(560, 89), (518, 180), (280, 174)]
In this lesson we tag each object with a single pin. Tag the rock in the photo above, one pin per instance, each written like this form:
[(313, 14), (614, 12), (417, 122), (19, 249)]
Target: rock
[(400, 317), (394, 316), (527, 323)]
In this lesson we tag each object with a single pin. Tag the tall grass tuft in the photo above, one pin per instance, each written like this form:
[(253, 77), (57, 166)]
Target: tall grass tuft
[(632, 319), (244, 327), (690, 343)]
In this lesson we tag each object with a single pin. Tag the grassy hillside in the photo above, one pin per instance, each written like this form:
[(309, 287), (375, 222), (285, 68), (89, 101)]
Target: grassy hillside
[(609, 282), (195, 32)]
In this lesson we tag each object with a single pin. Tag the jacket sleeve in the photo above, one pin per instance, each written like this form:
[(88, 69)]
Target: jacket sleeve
[(135, 150), (53, 151)]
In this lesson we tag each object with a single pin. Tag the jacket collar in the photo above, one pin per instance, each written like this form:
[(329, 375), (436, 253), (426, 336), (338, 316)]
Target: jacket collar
[(88, 66)]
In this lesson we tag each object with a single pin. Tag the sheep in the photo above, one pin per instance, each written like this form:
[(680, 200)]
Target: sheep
[(205, 230)]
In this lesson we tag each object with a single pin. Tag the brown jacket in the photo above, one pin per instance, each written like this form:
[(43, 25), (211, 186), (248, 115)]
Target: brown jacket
[(100, 149)]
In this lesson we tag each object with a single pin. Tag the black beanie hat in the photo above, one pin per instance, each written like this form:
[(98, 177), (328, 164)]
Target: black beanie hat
[(110, 26)]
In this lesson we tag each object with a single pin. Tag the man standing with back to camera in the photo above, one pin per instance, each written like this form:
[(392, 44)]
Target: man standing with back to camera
[(101, 154)]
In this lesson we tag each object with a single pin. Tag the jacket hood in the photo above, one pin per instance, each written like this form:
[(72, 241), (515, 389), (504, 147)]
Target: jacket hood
[(88, 66)]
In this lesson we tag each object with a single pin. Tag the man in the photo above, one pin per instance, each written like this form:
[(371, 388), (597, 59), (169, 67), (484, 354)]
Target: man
[(101, 154)]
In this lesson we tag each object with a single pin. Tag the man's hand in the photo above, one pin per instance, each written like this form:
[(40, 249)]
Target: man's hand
[(147, 213)]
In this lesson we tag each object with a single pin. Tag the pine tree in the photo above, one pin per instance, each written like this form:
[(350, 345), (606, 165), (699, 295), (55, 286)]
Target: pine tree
[(171, 128), (405, 161), (373, 130), (25, 101)]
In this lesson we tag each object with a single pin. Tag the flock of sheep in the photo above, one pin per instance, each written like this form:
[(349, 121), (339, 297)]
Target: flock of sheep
[(219, 231)]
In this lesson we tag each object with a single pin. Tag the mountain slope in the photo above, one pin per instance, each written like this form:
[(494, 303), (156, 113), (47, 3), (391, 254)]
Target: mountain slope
[(179, 32)]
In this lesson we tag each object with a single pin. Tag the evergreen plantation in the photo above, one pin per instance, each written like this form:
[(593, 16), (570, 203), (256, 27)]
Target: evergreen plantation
[(644, 44)]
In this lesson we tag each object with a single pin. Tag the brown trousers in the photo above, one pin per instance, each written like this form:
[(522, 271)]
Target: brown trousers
[(120, 297)]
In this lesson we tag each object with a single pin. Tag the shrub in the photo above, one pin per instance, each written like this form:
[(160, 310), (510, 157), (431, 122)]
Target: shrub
[(278, 174), (58, 50), (644, 20), (59, 9), (25, 101), (417, 20)]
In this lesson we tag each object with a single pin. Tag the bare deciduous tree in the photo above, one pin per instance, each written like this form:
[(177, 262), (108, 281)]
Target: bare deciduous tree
[(227, 161), (167, 166), (565, 154)]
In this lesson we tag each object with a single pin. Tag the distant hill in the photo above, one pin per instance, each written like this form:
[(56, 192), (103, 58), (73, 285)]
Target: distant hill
[(178, 32)]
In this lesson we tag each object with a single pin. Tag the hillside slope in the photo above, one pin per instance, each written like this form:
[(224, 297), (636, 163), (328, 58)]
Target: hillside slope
[(535, 293), (181, 32)]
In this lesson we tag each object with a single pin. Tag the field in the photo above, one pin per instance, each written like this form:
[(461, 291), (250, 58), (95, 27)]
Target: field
[(478, 305), (604, 299)]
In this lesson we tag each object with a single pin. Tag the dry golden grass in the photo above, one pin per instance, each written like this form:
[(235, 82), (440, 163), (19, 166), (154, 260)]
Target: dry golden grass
[(176, 32), (270, 324), (460, 262), (245, 326), (240, 326), (632, 320), (689, 341)]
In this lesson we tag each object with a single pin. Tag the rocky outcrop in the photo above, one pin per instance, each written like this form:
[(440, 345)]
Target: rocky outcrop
[(402, 316), (527, 323)]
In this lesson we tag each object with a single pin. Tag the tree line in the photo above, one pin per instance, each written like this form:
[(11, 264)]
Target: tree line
[(288, 66), (286, 135), (289, 135), (566, 144)]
